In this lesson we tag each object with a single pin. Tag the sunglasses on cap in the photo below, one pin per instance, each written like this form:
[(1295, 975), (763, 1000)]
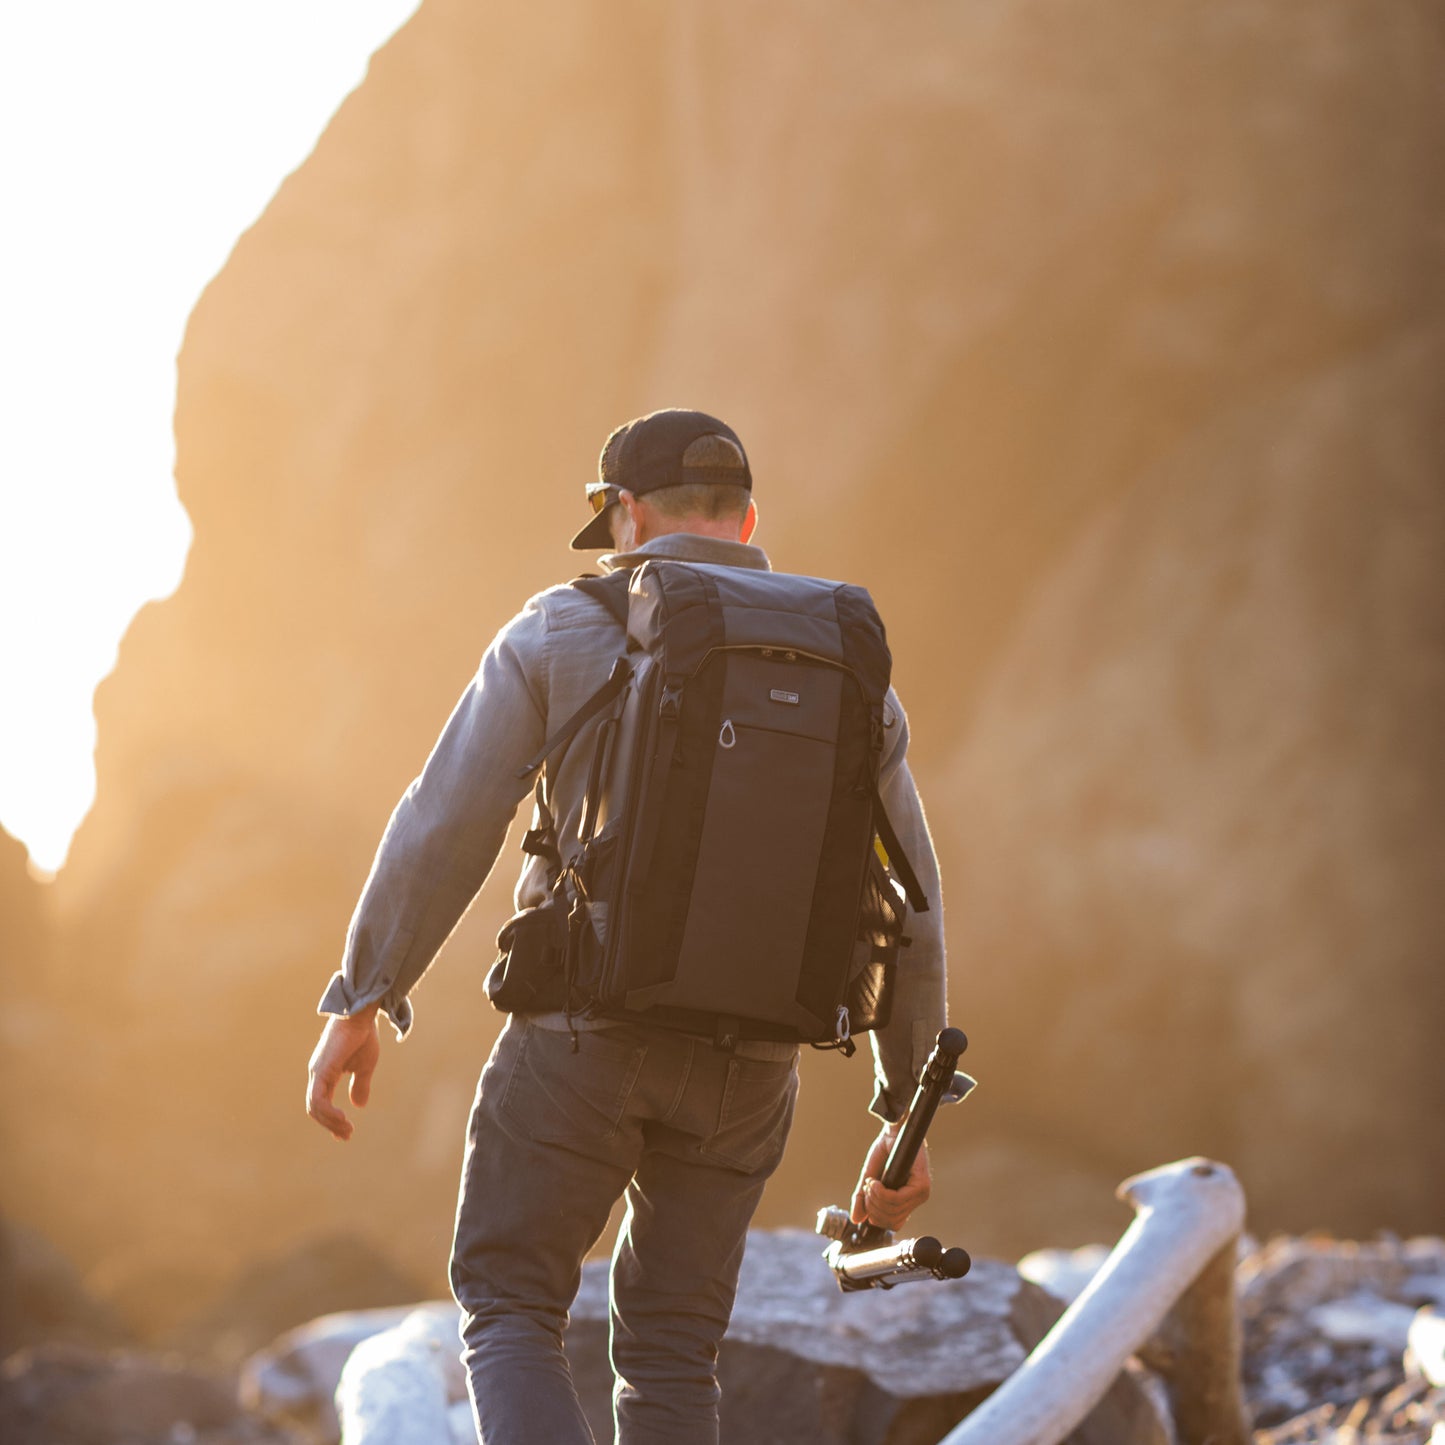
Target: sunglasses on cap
[(601, 495)]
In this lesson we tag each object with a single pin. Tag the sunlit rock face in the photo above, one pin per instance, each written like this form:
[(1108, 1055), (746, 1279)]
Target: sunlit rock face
[(26, 927), (1204, 797), (1101, 342), (29, 1026)]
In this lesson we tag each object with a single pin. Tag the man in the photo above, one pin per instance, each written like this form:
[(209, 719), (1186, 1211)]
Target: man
[(572, 1114)]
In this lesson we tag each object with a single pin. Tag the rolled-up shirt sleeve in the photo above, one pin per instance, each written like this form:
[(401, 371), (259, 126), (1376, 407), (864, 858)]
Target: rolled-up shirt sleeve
[(920, 985), (445, 834)]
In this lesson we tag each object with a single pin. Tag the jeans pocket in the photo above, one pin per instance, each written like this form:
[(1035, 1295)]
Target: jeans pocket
[(756, 1114), (576, 1099)]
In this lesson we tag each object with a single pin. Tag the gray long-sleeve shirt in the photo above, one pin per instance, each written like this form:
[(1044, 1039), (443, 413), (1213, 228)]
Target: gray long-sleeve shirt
[(448, 829)]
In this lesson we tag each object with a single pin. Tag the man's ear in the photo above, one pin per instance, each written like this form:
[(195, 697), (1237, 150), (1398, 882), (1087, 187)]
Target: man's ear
[(750, 522), (627, 533)]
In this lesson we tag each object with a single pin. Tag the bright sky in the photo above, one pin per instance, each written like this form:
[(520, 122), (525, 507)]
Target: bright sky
[(137, 142)]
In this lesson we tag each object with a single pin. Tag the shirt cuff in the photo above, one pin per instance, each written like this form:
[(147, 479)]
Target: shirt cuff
[(340, 999), (882, 1107)]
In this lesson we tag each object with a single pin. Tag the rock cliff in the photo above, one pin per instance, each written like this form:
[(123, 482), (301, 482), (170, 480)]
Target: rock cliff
[(1102, 342)]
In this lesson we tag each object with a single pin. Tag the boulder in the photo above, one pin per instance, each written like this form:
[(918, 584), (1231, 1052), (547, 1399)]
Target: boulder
[(293, 1380), (398, 1387)]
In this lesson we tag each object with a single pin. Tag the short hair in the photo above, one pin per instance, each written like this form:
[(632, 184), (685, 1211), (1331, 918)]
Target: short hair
[(707, 500)]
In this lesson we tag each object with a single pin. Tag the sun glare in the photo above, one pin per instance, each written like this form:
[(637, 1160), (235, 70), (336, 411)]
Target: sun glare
[(140, 141)]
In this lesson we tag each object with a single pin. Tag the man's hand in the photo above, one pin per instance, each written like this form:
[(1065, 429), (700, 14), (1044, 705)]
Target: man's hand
[(889, 1208), (347, 1046)]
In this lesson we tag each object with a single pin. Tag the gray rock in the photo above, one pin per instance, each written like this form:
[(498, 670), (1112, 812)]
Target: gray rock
[(1363, 1318), (397, 1387), (803, 1362), (294, 1379), (1326, 1323), (915, 1341), (1064, 1273)]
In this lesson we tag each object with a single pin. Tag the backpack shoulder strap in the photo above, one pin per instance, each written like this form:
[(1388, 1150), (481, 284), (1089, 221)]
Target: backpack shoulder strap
[(610, 591), (620, 677)]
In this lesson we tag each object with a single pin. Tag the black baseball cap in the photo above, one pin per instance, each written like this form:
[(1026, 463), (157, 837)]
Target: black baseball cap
[(671, 448)]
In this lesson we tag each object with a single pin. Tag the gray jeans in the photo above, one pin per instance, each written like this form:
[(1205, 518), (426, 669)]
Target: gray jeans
[(690, 1135)]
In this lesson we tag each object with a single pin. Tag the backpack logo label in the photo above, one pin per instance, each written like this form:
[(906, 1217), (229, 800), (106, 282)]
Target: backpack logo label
[(778, 694)]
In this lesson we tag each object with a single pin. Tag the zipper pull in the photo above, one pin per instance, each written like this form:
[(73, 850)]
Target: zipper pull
[(843, 1029), (728, 737)]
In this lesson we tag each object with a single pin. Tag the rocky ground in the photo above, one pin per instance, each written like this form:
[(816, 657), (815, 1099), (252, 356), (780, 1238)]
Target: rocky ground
[(1345, 1345), (1339, 1342)]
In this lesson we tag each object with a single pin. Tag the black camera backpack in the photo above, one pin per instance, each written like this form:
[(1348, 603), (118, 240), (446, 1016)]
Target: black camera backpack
[(732, 871)]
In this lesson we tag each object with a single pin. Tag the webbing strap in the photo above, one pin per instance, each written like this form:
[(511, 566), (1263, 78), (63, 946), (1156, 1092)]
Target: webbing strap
[(620, 676), (541, 841), (592, 797), (917, 899)]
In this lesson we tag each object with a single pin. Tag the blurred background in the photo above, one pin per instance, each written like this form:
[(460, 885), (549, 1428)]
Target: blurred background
[(1103, 344)]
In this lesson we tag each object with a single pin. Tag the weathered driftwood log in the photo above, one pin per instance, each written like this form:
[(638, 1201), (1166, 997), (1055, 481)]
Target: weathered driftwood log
[(1171, 1276)]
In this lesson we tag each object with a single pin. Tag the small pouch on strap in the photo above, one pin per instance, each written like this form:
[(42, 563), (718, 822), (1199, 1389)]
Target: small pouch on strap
[(529, 975)]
